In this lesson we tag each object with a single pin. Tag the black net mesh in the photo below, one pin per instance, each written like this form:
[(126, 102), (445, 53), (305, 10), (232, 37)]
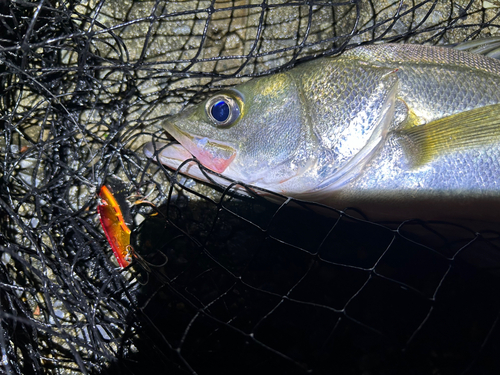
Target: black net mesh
[(226, 284)]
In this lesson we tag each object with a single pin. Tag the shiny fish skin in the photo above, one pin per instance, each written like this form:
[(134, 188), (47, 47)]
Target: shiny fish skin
[(434, 83), (337, 130)]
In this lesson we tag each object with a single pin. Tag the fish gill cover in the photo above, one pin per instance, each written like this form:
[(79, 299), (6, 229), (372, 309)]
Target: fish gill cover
[(221, 283)]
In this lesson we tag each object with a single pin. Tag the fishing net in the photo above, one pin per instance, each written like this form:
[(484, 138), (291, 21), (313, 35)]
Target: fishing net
[(225, 283)]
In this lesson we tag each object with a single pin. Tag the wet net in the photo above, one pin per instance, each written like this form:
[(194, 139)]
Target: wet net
[(225, 284)]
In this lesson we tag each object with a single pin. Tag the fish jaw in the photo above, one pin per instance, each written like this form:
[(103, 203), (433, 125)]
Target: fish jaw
[(172, 155), (175, 156), (215, 155)]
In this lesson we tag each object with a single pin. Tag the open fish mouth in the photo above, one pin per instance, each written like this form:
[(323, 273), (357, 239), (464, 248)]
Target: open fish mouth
[(215, 155)]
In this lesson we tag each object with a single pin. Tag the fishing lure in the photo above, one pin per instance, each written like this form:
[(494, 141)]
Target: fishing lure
[(112, 216)]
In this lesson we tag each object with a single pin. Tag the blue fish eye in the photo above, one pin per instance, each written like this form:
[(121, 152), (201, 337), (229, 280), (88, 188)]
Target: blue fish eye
[(220, 111), (223, 110)]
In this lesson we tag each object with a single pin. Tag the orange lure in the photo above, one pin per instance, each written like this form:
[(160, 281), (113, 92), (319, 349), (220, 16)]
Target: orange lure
[(114, 226)]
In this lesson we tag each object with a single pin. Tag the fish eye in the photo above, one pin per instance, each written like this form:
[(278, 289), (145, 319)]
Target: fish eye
[(220, 111), (223, 110)]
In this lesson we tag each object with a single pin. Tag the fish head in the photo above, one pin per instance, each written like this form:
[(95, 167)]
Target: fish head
[(251, 133)]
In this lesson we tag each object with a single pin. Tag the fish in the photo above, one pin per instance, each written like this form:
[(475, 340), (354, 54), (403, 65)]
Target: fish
[(397, 131)]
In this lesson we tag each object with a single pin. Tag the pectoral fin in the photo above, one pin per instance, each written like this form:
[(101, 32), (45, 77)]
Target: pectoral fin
[(462, 131)]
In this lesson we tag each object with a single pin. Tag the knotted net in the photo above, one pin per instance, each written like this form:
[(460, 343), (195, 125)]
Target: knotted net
[(225, 284)]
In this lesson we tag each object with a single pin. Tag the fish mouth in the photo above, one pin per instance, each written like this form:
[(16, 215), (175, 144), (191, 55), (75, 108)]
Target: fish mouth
[(170, 154), (215, 155)]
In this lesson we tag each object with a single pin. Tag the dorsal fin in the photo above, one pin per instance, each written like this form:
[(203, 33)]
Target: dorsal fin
[(484, 46)]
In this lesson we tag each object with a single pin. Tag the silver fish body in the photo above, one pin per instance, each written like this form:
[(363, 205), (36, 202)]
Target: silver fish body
[(395, 130)]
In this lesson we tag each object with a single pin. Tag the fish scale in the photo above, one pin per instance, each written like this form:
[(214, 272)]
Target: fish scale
[(395, 130)]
